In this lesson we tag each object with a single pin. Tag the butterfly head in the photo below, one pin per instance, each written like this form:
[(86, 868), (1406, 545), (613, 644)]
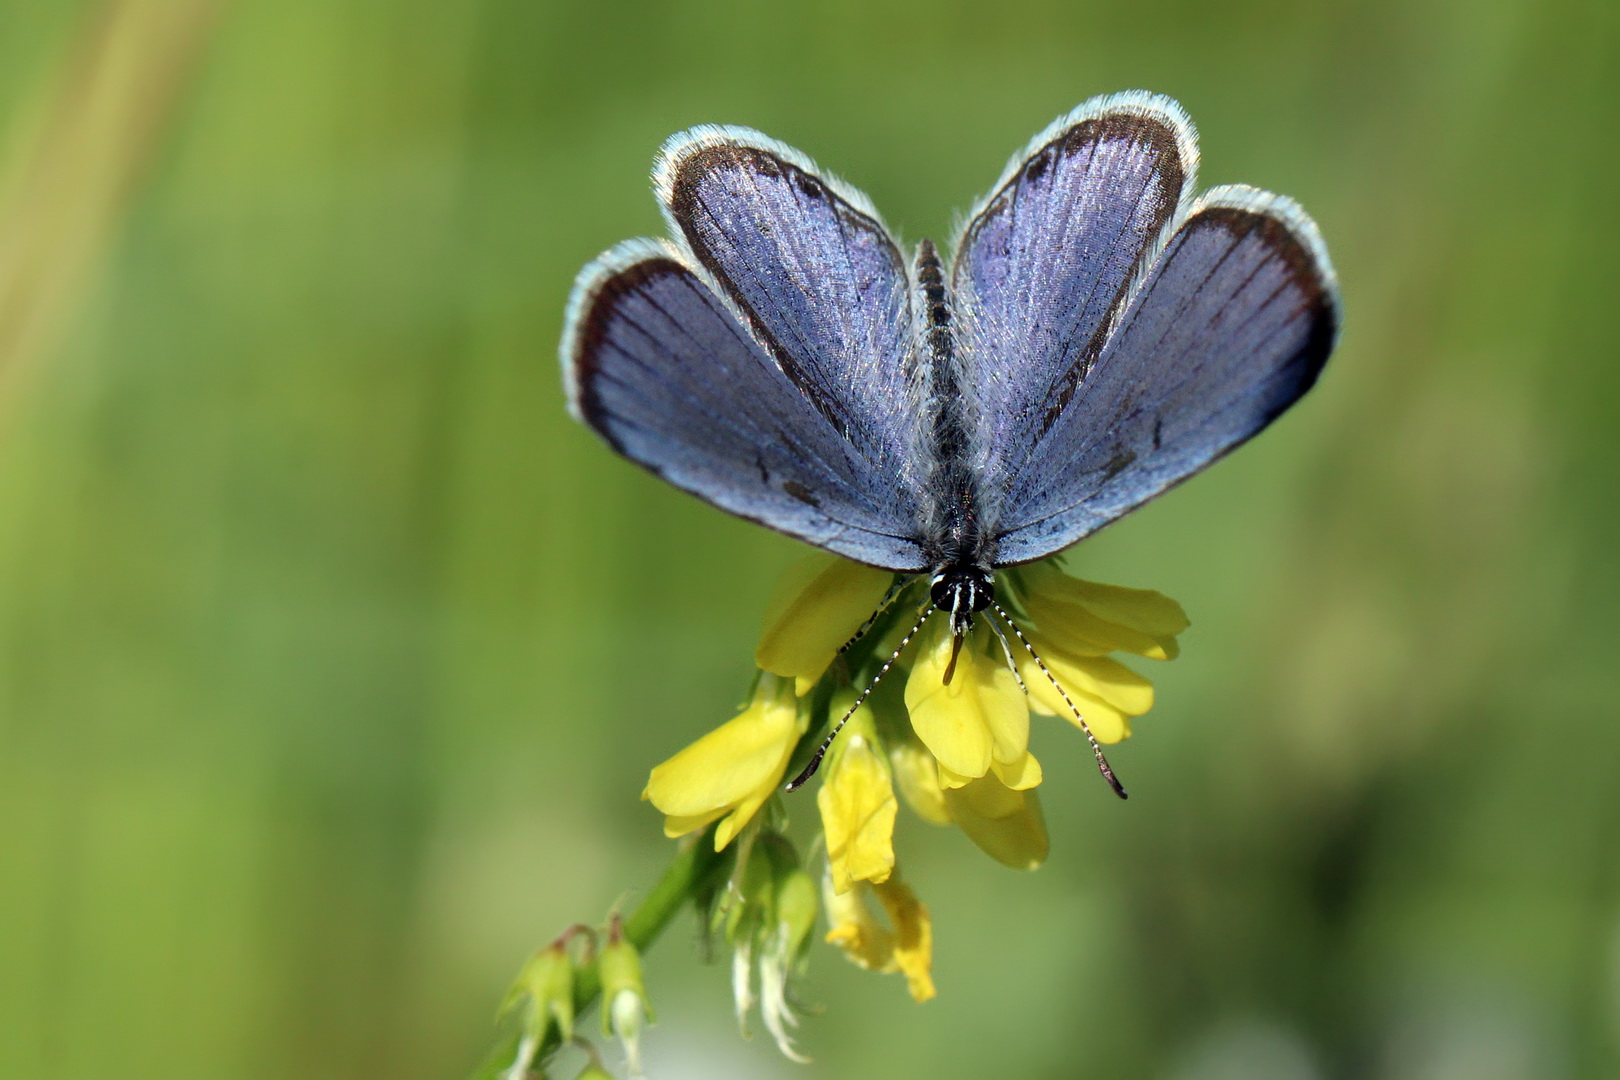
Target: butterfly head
[(962, 592)]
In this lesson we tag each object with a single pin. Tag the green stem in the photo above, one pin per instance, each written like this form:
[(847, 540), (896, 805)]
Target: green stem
[(691, 867)]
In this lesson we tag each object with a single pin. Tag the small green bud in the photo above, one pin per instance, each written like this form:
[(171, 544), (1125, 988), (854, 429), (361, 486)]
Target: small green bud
[(625, 1009), (543, 996), (797, 904), (544, 991)]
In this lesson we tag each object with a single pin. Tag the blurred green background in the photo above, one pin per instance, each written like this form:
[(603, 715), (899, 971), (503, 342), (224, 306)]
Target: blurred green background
[(333, 656)]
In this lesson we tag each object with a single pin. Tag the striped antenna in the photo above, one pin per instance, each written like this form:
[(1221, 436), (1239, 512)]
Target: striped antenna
[(815, 762), (1096, 747)]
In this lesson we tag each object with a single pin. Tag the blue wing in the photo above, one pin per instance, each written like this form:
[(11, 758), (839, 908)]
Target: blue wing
[(1045, 265), (809, 267), (1229, 327), (661, 367)]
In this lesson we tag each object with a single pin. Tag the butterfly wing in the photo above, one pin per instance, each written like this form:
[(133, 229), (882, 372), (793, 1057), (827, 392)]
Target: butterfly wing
[(807, 263), (760, 362), (1230, 326), (1045, 265)]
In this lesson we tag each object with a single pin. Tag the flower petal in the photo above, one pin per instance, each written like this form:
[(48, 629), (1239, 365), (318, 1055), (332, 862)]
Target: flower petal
[(917, 774), (913, 936), (1090, 619), (730, 771), (733, 823), (1007, 825), (1150, 612), (978, 716), (1106, 722), (818, 605), (857, 814), (1021, 775), (906, 945), (1098, 676), (855, 929), (675, 826)]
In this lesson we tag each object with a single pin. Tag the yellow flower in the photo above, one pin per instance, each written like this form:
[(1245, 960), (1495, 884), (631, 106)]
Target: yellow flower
[(731, 771), (1076, 623), (977, 722), (906, 944), (1085, 618), (1006, 824), (818, 605), (858, 807), (1106, 692)]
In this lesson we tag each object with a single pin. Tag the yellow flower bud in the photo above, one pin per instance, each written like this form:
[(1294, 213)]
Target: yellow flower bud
[(858, 807)]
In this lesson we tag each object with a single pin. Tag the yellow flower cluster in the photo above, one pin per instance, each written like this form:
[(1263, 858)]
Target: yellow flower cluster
[(956, 750)]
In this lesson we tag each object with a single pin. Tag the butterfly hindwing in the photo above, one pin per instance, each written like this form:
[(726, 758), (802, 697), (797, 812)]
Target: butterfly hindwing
[(661, 367), (1229, 327)]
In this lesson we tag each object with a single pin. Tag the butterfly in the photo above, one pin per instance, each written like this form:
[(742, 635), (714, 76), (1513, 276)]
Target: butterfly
[(1096, 334)]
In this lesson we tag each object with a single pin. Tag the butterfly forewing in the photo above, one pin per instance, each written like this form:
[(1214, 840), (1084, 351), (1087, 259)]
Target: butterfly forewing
[(661, 368), (1045, 266), (812, 270), (1231, 325)]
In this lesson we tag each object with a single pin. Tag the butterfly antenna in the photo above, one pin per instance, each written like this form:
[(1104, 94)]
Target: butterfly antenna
[(815, 762), (883, 605), (1006, 650), (1096, 747)]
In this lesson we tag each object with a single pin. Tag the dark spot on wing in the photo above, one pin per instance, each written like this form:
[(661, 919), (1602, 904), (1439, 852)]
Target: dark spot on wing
[(1122, 460), (810, 186), (764, 473), (802, 493), (1158, 432)]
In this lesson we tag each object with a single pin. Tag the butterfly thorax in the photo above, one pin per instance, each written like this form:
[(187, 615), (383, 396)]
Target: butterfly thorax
[(953, 537)]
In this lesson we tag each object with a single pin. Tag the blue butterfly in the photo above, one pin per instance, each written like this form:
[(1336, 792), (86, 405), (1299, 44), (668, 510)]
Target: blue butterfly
[(1098, 334)]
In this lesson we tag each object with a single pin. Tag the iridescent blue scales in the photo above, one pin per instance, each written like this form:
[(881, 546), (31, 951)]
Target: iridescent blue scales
[(1098, 334)]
